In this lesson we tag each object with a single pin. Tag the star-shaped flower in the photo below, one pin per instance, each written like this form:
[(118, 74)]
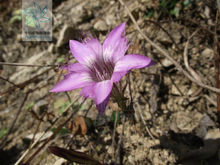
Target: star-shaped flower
[(100, 66), (36, 15)]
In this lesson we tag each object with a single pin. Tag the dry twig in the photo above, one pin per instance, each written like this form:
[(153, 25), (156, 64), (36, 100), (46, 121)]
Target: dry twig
[(185, 56), (15, 119), (9, 82), (23, 84), (26, 65), (50, 138), (54, 134), (166, 54), (113, 138), (142, 119), (118, 150), (217, 61)]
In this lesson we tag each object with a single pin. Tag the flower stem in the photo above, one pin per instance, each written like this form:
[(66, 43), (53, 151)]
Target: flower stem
[(119, 97)]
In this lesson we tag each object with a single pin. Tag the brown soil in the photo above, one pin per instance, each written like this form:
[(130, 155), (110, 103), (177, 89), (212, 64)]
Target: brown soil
[(172, 120)]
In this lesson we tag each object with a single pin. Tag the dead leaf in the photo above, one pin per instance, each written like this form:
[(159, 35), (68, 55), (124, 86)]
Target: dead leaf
[(73, 156), (78, 126)]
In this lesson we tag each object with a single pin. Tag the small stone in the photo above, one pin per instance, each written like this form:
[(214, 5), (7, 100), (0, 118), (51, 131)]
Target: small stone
[(107, 138), (19, 37), (60, 161), (157, 161), (101, 25), (98, 147), (208, 53), (162, 37), (134, 138), (147, 115), (206, 121), (38, 135), (213, 134), (175, 91), (51, 48), (40, 105), (119, 129), (67, 33), (131, 159), (185, 122), (166, 63), (153, 132), (201, 131), (110, 150)]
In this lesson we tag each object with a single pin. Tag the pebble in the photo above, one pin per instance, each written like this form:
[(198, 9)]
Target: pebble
[(40, 105), (101, 25)]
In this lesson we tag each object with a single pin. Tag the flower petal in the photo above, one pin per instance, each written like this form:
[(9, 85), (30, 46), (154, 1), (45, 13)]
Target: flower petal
[(88, 91), (116, 76), (95, 45), (115, 45), (132, 61), (82, 53), (72, 81), (101, 107), (102, 90), (121, 49)]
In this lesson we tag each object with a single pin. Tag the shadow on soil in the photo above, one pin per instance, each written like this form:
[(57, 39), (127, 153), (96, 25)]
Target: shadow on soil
[(8, 157), (192, 150)]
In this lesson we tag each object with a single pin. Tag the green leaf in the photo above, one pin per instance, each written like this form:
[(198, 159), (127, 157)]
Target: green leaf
[(186, 3), (113, 116), (168, 4), (30, 105), (63, 107), (150, 13), (15, 18), (60, 59), (175, 11), (162, 3), (29, 21), (17, 12), (3, 132), (63, 131)]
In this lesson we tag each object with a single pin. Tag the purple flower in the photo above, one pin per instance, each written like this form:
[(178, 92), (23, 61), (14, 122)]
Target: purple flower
[(100, 66)]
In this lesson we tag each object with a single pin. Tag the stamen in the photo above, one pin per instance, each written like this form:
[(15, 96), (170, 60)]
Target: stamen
[(101, 70)]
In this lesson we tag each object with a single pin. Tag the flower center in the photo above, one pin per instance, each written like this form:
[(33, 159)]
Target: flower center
[(101, 70)]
